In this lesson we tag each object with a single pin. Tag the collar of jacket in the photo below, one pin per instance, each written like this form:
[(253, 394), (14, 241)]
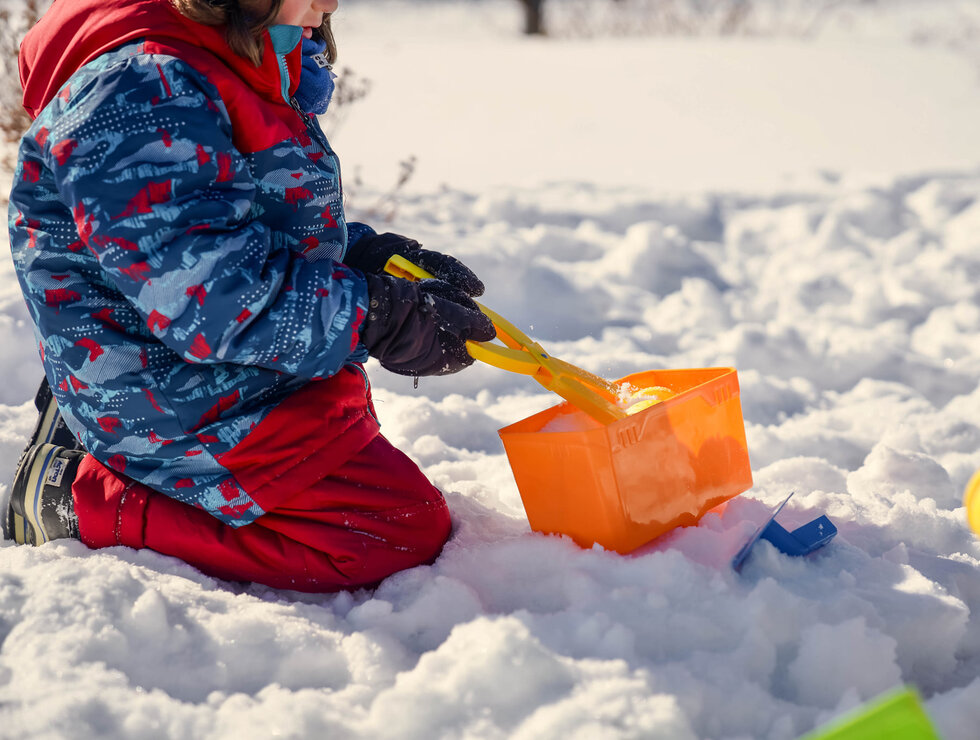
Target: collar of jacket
[(74, 32), (285, 39)]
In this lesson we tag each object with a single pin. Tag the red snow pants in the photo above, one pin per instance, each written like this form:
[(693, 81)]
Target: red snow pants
[(345, 516)]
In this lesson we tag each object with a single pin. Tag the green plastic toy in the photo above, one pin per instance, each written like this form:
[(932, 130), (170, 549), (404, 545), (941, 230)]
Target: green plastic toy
[(898, 715)]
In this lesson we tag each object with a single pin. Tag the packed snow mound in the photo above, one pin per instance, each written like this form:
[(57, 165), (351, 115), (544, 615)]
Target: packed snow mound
[(851, 316)]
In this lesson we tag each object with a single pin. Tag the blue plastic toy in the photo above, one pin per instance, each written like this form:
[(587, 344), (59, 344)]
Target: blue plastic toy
[(801, 541)]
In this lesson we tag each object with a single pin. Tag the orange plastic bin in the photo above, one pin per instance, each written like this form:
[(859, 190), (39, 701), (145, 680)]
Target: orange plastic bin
[(623, 484)]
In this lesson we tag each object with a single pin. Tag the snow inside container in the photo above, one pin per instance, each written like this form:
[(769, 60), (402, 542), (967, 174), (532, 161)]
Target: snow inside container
[(623, 484)]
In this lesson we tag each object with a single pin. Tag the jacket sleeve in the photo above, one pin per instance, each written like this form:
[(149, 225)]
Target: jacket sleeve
[(355, 232), (143, 156)]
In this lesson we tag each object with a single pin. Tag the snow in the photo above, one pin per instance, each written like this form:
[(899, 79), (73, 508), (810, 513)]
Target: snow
[(805, 210)]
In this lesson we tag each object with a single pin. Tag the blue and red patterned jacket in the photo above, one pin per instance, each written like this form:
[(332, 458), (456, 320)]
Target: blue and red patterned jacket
[(178, 231)]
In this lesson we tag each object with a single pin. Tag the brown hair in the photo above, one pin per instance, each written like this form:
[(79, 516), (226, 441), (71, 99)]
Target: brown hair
[(244, 22)]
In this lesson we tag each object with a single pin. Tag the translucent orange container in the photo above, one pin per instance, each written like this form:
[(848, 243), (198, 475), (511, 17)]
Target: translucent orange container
[(625, 483)]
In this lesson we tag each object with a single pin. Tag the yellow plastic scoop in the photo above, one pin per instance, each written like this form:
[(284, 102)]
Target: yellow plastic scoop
[(601, 399)]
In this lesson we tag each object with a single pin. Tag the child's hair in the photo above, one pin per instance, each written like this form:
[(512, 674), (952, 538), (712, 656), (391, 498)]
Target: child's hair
[(244, 22)]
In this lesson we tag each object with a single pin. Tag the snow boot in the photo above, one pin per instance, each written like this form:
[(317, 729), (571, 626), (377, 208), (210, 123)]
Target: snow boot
[(50, 426), (41, 505)]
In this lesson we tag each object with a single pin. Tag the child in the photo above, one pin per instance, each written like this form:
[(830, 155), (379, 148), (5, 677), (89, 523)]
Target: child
[(202, 308)]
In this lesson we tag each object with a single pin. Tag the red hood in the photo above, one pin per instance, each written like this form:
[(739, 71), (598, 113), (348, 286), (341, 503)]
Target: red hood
[(74, 32)]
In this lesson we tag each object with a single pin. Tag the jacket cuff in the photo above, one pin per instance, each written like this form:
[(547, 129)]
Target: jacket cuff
[(355, 232)]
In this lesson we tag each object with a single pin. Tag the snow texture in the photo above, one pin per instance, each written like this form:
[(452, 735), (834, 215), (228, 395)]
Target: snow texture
[(849, 302)]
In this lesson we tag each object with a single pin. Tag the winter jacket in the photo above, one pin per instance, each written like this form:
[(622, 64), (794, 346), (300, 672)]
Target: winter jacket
[(177, 228)]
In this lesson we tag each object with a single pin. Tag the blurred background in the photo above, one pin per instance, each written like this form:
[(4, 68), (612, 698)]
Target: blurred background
[(670, 95)]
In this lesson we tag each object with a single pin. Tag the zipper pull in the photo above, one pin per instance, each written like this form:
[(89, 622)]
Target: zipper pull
[(296, 107)]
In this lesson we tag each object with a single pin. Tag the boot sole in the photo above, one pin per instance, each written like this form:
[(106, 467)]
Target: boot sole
[(29, 514), (16, 529), (49, 429)]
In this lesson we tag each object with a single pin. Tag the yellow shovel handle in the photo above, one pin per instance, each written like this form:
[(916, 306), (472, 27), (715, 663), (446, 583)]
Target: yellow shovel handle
[(403, 268), (591, 393), (487, 352)]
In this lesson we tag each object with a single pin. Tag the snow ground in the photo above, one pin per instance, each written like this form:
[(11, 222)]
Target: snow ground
[(848, 298)]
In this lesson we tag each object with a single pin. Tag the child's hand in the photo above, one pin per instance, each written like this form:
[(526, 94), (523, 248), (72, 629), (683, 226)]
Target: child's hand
[(421, 328), (370, 254)]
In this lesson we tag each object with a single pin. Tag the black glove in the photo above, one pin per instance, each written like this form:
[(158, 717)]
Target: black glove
[(370, 253), (421, 328)]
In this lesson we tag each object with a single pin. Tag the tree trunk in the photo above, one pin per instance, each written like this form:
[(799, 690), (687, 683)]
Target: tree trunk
[(533, 17)]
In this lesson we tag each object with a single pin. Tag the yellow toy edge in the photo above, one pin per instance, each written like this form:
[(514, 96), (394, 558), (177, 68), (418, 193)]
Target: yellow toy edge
[(971, 500)]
